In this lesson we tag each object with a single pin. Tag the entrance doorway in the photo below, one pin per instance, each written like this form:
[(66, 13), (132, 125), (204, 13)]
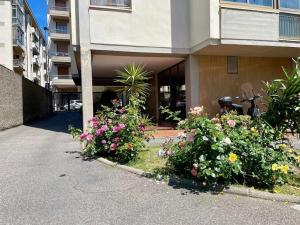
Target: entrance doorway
[(172, 90)]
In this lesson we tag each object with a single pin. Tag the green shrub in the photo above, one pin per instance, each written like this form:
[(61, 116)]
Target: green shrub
[(283, 101), (231, 148), (116, 132)]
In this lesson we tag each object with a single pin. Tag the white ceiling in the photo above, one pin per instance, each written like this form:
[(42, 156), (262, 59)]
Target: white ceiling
[(106, 65)]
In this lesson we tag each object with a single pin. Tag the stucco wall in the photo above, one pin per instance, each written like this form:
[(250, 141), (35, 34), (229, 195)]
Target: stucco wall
[(214, 81), (155, 23), (21, 100)]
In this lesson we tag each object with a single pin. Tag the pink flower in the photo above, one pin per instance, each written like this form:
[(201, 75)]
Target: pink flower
[(194, 172), (116, 129), (109, 121), (94, 122), (104, 128), (89, 137), (191, 137), (116, 139), (83, 135), (231, 123), (113, 147), (142, 128), (122, 126), (103, 142), (121, 111), (99, 132)]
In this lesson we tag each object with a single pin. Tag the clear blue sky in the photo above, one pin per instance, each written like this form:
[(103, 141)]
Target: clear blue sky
[(39, 8)]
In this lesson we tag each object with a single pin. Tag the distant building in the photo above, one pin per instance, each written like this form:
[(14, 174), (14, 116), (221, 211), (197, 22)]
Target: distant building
[(22, 44)]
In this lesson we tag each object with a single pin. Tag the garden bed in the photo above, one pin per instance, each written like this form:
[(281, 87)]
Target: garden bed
[(148, 161)]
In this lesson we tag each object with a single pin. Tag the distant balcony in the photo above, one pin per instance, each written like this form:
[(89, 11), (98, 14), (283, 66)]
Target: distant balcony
[(59, 12), (36, 48), (61, 58), (18, 2), (62, 80), (18, 44), (289, 27), (18, 22), (19, 64), (36, 61), (59, 34)]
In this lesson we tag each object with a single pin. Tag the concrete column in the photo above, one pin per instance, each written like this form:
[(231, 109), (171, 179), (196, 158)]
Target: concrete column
[(86, 85), (192, 74)]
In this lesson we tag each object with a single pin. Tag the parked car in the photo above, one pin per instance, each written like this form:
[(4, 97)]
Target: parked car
[(74, 105)]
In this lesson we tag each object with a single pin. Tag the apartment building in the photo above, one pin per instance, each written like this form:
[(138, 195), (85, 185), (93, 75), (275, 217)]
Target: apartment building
[(22, 44), (59, 46), (197, 50)]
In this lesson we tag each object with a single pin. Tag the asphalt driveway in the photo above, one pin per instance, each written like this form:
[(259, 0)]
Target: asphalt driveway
[(44, 180)]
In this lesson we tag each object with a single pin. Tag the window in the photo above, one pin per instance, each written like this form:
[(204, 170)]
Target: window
[(289, 26), (232, 64), (17, 15), (61, 27), (62, 70), (268, 3), (115, 3), (290, 4)]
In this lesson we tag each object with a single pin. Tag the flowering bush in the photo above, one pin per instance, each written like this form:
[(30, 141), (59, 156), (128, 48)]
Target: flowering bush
[(231, 148), (116, 132)]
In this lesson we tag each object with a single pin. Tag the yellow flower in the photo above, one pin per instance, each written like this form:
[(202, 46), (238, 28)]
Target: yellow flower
[(275, 167), (290, 150), (284, 168), (282, 146), (298, 158), (232, 157), (253, 130)]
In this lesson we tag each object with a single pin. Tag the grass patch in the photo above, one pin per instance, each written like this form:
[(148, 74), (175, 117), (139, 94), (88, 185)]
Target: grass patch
[(148, 161)]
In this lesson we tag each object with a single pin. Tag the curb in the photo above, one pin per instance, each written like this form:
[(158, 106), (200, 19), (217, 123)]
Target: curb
[(248, 192)]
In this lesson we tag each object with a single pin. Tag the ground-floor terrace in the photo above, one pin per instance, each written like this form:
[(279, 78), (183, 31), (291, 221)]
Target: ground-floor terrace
[(178, 81)]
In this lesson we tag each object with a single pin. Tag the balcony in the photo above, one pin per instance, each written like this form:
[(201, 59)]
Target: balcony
[(289, 27), (35, 48), (61, 34), (18, 44), (19, 64), (36, 61), (18, 22), (59, 12), (62, 80), (61, 58), (19, 3)]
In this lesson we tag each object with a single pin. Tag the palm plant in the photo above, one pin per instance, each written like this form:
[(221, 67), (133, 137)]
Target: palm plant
[(283, 99), (134, 78)]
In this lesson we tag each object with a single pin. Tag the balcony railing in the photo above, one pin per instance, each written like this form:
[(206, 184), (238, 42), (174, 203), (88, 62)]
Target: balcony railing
[(289, 26), (18, 62), (63, 54), (17, 21), (18, 42), (59, 8), (64, 77), (60, 30), (112, 3)]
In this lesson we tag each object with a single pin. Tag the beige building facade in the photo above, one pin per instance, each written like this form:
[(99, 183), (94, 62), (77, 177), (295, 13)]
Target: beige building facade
[(22, 43), (197, 50)]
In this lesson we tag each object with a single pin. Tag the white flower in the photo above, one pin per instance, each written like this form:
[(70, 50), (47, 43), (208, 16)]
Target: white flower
[(205, 138), (181, 135), (226, 141), (161, 153)]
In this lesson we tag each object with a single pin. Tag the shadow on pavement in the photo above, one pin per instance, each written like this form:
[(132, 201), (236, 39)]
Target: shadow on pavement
[(59, 122)]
